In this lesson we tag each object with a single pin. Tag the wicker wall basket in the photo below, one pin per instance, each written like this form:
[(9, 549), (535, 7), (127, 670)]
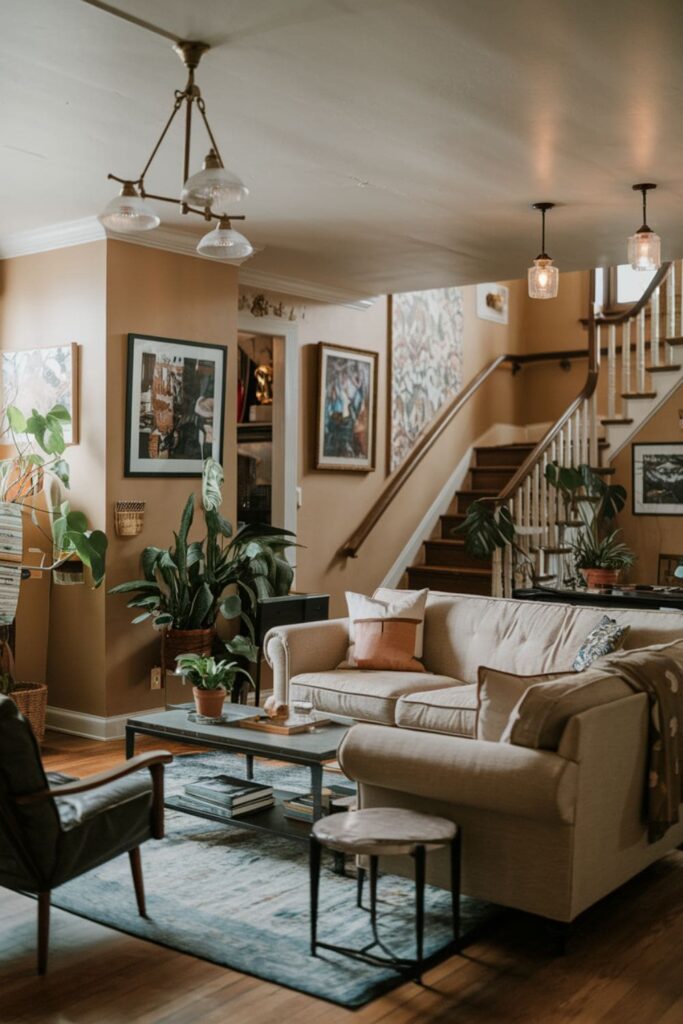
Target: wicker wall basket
[(129, 517), (31, 699)]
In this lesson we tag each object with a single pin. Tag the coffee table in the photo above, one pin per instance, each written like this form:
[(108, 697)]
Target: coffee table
[(310, 749)]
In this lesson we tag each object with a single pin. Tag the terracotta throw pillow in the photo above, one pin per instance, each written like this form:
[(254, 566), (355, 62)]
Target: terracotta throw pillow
[(409, 605), (387, 644)]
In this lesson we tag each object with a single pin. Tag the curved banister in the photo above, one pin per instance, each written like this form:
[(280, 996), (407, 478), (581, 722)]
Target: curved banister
[(614, 319), (407, 468)]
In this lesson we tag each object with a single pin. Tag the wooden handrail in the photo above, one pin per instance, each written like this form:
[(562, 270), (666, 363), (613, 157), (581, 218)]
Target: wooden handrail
[(407, 468), (586, 391)]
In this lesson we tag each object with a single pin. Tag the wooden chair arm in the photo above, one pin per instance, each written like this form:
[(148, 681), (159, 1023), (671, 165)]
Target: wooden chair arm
[(154, 759)]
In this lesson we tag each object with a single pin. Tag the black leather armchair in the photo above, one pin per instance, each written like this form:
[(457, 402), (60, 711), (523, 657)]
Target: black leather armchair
[(49, 836)]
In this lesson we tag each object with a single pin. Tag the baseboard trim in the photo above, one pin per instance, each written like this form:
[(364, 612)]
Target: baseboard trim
[(91, 727)]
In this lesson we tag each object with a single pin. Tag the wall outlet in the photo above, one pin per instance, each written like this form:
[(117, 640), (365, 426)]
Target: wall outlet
[(155, 678)]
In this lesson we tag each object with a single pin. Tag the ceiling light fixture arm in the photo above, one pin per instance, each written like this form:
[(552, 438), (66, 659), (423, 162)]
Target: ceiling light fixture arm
[(644, 188), (543, 207)]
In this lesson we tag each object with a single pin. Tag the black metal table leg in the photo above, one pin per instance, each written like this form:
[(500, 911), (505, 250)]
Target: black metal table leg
[(130, 742), (317, 790), (315, 886), (455, 885), (359, 887), (419, 908), (250, 766)]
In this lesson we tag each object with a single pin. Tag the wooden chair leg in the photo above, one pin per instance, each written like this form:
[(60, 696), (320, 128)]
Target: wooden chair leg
[(138, 881), (43, 930)]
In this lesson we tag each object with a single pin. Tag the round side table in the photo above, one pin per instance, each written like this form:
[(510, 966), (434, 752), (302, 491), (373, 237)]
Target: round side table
[(385, 832)]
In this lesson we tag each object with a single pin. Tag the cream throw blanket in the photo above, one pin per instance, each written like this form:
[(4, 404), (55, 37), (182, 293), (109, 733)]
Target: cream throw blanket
[(658, 671)]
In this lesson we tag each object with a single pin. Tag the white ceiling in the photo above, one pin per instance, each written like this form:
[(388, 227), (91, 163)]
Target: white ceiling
[(388, 144)]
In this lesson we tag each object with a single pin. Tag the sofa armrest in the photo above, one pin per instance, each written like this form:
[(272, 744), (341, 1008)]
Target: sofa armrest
[(306, 647), (495, 777)]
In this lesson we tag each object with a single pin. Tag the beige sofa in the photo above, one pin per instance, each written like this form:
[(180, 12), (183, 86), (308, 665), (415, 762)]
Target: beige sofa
[(549, 832)]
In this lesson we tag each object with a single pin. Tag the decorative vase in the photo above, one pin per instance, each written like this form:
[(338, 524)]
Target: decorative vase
[(601, 577), (209, 703)]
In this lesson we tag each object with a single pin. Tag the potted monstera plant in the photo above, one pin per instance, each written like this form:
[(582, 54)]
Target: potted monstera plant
[(187, 586), (211, 680)]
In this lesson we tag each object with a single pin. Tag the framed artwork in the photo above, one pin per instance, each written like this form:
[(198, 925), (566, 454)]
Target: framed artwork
[(347, 408), (658, 479), (175, 406), (426, 334), (666, 571), (492, 302), (38, 378)]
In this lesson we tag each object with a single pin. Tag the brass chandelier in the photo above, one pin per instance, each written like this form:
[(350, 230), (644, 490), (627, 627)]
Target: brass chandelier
[(209, 193)]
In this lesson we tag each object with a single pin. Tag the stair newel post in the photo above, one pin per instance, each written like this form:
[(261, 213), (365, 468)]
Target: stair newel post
[(654, 328), (612, 372), (640, 352), (626, 357)]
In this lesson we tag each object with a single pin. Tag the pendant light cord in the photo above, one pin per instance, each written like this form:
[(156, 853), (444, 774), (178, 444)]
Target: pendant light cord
[(543, 233)]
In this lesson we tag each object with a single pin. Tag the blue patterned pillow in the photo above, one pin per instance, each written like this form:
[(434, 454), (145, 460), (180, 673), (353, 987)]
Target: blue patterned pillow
[(606, 637)]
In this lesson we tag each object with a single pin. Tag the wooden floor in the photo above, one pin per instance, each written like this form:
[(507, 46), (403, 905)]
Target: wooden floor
[(625, 965)]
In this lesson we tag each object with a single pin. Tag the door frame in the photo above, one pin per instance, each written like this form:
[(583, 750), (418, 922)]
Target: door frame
[(286, 411)]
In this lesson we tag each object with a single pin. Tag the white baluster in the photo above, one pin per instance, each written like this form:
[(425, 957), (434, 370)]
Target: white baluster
[(594, 428), (640, 353), (671, 301), (680, 306), (654, 328), (626, 357), (612, 372), (496, 573), (585, 446), (576, 452)]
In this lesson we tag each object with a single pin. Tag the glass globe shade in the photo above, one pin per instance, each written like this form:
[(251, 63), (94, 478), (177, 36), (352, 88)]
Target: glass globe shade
[(223, 243), (543, 279), (129, 212), (214, 186), (644, 250)]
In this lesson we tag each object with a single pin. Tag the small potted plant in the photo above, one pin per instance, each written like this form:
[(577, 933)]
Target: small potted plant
[(211, 681)]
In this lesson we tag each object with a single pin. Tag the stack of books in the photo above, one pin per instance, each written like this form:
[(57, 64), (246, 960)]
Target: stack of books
[(301, 807), (226, 797)]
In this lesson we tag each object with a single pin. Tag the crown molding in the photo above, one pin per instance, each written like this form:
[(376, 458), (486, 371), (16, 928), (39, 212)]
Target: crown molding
[(169, 239)]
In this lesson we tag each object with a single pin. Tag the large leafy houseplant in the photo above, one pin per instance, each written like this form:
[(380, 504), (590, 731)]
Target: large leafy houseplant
[(599, 553), (187, 586)]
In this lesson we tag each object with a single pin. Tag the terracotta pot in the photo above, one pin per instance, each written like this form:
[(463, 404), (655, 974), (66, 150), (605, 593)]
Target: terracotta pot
[(601, 577), (209, 703), (186, 641)]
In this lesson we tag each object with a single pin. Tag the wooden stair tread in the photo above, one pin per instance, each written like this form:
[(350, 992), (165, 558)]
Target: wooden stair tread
[(572, 523), (674, 341), (516, 445), (638, 394), (494, 469), (488, 493), (555, 551), (450, 541), (616, 421), (663, 369), (603, 470), (449, 570)]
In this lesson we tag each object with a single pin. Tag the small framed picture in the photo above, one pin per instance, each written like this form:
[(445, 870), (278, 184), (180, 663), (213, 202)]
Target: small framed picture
[(347, 408), (658, 479), (38, 378), (175, 406), (666, 574), (492, 302)]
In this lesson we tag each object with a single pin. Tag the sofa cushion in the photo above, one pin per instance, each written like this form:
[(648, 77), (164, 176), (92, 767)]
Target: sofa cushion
[(452, 710), (543, 711), (605, 638), (365, 695), (497, 696), (400, 604)]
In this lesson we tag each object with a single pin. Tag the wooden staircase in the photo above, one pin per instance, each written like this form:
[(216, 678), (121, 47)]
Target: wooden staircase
[(447, 566)]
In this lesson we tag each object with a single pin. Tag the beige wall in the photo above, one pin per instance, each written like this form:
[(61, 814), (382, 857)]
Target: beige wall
[(172, 296), (650, 536), (53, 298)]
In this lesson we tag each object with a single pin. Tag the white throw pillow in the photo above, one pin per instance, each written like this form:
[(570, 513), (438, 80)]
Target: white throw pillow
[(409, 606)]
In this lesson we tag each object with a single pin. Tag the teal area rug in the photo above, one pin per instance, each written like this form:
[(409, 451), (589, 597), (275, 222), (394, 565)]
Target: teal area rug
[(239, 898)]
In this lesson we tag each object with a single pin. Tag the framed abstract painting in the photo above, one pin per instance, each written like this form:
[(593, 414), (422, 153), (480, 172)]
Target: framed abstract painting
[(174, 406), (658, 479), (38, 378), (347, 408)]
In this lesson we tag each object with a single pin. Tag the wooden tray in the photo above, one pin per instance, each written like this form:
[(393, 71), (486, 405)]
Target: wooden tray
[(265, 724)]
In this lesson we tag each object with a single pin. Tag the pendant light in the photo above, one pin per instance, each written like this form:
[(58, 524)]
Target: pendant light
[(208, 193), (644, 247), (543, 277), (223, 243)]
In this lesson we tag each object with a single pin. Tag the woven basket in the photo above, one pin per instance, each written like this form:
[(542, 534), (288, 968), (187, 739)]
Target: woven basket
[(128, 517), (185, 641), (31, 699)]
